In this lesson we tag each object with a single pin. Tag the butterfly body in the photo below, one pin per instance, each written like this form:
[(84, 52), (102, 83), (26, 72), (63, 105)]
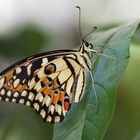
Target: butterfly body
[(48, 82)]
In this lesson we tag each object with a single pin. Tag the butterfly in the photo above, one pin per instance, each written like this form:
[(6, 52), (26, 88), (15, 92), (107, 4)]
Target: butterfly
[(50, 81)]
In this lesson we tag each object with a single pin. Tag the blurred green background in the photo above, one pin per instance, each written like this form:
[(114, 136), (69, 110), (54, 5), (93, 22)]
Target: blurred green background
[(29, 27)]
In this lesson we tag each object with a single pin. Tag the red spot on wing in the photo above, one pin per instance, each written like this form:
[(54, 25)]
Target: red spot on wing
[(67, 106)]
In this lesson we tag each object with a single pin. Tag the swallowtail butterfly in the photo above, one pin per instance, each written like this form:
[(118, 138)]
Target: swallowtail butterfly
[(48, 82)]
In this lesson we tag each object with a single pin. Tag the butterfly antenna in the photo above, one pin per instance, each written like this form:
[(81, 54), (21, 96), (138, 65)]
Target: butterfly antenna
[(80, 31), (94, 29), (93, 86), (80, 27)]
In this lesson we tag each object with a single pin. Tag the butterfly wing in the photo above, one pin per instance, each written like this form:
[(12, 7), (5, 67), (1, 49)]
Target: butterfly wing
[(46, 82)]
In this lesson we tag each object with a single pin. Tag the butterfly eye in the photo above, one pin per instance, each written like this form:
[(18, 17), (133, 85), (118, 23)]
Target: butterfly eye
[(49, 69), (86, 44)]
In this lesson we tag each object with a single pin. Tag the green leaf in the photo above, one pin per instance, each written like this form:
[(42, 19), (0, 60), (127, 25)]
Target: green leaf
[(82, 122)]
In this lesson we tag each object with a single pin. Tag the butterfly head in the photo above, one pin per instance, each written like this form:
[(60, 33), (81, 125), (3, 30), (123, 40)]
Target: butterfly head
[(86, 47), (86, 53)]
